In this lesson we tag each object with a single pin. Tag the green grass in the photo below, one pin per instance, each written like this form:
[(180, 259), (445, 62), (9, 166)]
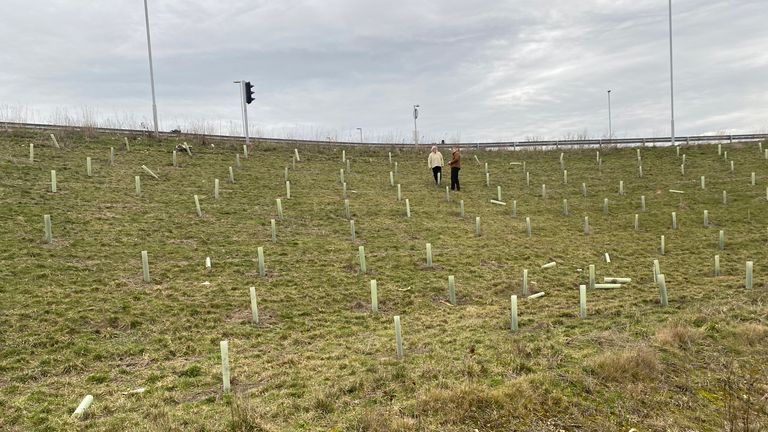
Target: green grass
[(76, 317)]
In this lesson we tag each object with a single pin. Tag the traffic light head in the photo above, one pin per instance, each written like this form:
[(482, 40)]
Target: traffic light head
[(248, 92)]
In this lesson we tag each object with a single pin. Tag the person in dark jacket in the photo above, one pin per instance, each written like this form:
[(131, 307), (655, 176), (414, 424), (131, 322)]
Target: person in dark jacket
[(455, 165)]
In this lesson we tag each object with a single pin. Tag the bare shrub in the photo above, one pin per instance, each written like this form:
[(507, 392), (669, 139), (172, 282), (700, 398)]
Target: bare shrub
[(743, 392)]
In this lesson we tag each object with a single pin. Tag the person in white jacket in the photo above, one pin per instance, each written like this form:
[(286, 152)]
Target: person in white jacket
[(435, 162)]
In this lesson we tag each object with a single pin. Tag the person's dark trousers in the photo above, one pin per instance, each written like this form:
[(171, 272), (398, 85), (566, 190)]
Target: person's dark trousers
[(435, 171), (455, 179)]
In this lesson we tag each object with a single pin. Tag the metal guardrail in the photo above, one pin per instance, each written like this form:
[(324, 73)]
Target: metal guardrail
[(687, 140), (694, 139)]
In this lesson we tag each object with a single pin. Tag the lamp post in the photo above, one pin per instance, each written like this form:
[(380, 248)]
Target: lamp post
[(361, 134), (415, 127), (610, 123), (151, 70), (671, 77)]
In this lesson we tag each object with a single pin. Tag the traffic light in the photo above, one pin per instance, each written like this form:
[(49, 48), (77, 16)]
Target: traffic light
[(248, 92)]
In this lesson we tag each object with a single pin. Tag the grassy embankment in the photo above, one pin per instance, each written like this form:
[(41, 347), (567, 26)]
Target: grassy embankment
[(76, 317)]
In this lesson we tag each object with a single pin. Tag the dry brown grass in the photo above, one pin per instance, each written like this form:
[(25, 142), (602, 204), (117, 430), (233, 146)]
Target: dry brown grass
[(523, 402), (678, 335), (628, 365), (752, 333), (244, 417), (465, 404), (385, 420)]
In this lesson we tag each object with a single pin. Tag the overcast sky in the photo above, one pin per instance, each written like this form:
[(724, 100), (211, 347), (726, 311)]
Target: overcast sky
[(481, 70)]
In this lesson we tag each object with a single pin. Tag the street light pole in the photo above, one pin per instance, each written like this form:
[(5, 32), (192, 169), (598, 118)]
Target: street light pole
[(151, 70), (361, 134), (671, 77), (244, 107), (415, 127), (610, 124)]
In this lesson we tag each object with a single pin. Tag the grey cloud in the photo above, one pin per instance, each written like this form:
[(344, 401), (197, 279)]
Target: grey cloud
[(482, 70)]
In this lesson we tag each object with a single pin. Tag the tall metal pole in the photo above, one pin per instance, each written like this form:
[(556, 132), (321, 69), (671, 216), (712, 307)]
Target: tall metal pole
[(610, 124), (151, 70), (361, 134), (415, 127), (244, 108), (671, 77), (245, 116)]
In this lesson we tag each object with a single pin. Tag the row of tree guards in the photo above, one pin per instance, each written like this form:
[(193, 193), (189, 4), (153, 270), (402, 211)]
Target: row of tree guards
[(608, 282), (48, 237), (498, 200)]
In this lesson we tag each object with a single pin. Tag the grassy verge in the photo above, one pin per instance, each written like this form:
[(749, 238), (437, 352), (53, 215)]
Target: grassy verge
[(76, 317)]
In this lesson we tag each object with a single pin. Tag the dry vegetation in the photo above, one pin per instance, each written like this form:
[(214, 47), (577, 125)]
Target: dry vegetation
[(76, 317)]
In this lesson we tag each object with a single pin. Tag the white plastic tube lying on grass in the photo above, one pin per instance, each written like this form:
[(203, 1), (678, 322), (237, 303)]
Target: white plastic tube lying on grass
[(83, 405), (607, 286), (616, 280), (149, 171)]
